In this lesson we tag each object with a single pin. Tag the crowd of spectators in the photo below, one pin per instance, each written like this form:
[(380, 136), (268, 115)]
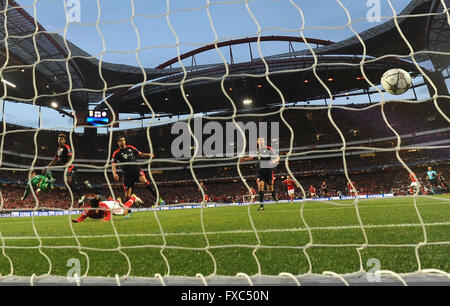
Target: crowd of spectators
[(393, 179)]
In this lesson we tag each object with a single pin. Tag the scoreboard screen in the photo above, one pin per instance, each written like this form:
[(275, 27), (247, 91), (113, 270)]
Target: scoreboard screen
[(99, 118)]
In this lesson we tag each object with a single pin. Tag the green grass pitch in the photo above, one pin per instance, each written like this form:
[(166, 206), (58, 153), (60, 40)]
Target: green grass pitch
[(229, 240)]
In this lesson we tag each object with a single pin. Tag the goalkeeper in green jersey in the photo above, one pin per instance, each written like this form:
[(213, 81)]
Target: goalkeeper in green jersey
[(40, 182)]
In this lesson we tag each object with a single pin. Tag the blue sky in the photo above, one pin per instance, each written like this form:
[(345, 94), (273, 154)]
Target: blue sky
[(117, 23), (189, 19)]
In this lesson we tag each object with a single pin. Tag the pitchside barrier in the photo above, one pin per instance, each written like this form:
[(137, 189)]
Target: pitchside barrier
[(22, 214)]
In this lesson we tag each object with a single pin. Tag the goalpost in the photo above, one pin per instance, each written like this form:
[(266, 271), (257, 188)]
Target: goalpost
[(308, 240)]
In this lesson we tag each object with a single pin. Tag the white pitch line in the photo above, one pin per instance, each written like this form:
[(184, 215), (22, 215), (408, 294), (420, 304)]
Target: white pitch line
[(351, 207), (345, 227)]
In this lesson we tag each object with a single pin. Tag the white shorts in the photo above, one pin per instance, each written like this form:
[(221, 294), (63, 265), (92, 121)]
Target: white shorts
[(291, 192), (414, 184), (115, 206)]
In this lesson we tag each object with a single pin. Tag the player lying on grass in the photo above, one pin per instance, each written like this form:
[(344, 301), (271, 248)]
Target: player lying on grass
[(104, 209), (39, 183), (98, 196)]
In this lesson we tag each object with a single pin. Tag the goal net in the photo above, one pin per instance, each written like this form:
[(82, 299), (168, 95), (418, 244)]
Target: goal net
[(170, 113)]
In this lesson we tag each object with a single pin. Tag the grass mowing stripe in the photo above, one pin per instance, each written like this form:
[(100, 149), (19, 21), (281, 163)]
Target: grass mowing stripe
[(235, 232), (351, 206), (251, 246)]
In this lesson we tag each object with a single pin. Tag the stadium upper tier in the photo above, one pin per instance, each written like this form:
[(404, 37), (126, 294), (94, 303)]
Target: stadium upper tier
[(416, 123), (57, 69)]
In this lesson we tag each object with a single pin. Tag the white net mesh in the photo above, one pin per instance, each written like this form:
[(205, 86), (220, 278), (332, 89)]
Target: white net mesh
[(335, 125)]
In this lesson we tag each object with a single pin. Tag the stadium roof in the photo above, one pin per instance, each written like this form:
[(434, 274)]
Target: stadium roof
[(417, 22), (60, 67)]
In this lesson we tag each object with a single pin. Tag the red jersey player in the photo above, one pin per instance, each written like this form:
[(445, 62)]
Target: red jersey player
[(323, 189), (252, 194), (290, 184), (351, 189), (206, 198), (414, 187), (103, 210), (312, 191)]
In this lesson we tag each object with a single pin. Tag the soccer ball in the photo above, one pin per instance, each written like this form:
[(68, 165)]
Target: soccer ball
[(396, 81)]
